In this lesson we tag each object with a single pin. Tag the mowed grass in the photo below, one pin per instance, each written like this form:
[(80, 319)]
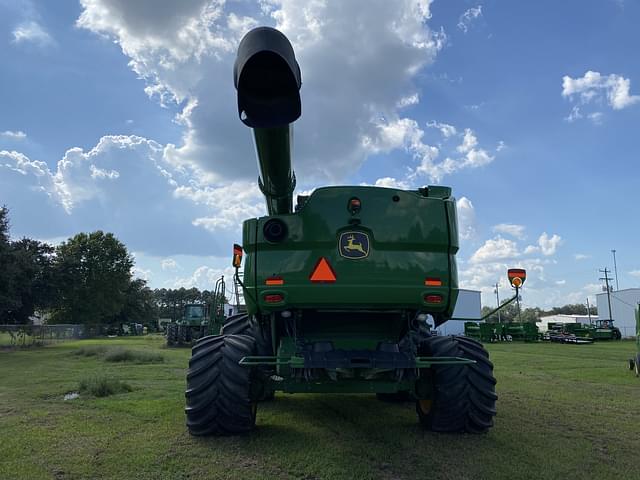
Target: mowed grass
[(565, 411)]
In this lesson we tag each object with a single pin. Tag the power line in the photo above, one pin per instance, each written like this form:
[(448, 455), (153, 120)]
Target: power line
[(606, 280)]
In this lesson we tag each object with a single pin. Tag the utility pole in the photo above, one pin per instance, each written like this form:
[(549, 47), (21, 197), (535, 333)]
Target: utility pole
[(495, 290), (606, 279), (589, 310), (615, 268)]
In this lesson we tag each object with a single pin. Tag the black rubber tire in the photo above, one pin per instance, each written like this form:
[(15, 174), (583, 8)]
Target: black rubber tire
[(182, 334), (237, 324), (463, 396), (632, 364), (219, 396), (172, 334), (243, 324), (616, 334)]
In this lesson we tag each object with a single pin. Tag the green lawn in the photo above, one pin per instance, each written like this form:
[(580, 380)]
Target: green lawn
[(565, 411)]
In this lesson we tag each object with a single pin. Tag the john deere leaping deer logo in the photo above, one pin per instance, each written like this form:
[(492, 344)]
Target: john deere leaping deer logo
[(354, 245)]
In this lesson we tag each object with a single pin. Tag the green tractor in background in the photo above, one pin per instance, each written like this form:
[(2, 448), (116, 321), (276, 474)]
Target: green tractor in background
[(604, 330), (634, 363), (193, 324), (338, 291), (198, 319), (582, 332)]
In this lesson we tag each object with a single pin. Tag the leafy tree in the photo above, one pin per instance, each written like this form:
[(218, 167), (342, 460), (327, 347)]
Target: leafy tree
[(140, 304), (7, 297), (26, 282), (33, 280), (94, 275)]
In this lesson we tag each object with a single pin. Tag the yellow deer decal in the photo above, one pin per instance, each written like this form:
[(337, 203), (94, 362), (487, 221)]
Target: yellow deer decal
[(351, 246)]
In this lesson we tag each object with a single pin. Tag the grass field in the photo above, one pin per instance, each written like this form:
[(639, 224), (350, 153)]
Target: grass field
[(564, 411)]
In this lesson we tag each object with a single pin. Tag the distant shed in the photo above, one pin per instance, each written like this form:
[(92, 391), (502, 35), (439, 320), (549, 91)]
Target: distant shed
[(623, 306)]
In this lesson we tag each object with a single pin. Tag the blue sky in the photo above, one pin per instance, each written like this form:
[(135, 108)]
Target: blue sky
[(119, 116)]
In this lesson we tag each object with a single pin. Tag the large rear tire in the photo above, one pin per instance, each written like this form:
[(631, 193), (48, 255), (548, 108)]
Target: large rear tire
[(219, 393), (243, 324), (172, 334), (462, 397)]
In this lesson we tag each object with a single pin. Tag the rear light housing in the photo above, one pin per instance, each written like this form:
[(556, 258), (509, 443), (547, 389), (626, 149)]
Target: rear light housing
[(431, 298), (273, 298)]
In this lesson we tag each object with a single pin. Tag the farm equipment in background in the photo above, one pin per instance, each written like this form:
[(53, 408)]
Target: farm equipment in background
[(338, 292), (190, 326), (502, 332), (131, 329), (217, 313), (199, 319), (634, 363), (582, 333), (604, 330)]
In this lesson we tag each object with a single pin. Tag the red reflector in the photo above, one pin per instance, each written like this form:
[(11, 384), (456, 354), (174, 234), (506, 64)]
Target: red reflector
[(433, 282), (273, 298), (274, 281), (433, 298), (323, 272)]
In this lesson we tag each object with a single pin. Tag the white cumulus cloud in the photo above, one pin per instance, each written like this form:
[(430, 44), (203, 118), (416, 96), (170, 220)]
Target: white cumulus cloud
[(13, 135), (32, 32), (613, 89), (169, 264), (497, 248), (185, 51), (510, 229), (468, 17), (549, 244), (466, 218)]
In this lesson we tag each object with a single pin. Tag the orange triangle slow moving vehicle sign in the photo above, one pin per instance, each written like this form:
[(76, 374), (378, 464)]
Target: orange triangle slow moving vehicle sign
[(323, 272)]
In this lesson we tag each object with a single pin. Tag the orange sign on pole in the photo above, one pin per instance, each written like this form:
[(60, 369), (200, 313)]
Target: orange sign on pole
[(516, 276)]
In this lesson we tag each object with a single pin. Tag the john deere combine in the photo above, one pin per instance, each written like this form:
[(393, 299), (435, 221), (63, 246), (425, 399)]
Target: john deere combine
[(338, 290)]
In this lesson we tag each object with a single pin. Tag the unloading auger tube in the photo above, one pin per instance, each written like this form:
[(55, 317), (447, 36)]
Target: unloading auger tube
[(268, 81)]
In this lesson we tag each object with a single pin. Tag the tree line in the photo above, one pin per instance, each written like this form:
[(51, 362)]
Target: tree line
[(86, 279)]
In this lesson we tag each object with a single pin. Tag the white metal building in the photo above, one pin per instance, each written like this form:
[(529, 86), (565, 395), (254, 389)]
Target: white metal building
[(468, 307), (623, 306), (543, 323)]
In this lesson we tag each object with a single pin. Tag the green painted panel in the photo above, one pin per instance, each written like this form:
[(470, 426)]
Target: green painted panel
[(409, 237)]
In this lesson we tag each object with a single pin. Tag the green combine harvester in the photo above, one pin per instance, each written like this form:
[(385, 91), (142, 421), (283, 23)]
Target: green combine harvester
[(339, 290), (634, 363)]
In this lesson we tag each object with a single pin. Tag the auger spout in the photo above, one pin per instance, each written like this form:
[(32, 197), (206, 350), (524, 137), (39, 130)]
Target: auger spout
[(268, 81)]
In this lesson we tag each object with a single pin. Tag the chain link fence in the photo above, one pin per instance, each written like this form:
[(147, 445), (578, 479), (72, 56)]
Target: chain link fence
[(34, 335)]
